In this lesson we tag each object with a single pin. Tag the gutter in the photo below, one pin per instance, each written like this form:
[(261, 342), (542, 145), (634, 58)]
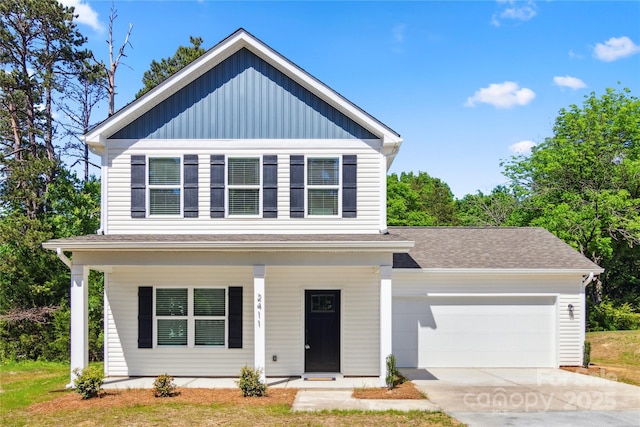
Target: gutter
[(63, 257)]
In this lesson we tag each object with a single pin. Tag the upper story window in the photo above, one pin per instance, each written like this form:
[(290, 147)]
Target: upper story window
[(165, 185), (323, 186), (243, 186)]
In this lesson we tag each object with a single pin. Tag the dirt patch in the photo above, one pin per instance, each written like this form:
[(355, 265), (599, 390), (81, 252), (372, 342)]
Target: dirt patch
[(625, 374), (139, 397), (405, 390)]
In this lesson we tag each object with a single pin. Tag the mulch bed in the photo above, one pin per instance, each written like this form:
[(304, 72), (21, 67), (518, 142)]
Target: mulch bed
[(593, 370), (144, 397), (405, 390)]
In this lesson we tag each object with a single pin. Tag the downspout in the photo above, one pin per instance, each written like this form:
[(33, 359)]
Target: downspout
[(63, 257), (588, 280)]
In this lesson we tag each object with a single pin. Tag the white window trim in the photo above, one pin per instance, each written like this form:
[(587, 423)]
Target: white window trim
[(228, 187), (191, 318), (337, 187), (150, 186)]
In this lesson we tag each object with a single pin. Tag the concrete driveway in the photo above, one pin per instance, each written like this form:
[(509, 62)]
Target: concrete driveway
[(528, 397)]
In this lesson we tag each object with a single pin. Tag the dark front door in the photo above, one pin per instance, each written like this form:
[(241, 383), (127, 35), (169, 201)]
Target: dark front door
[(322, 331)]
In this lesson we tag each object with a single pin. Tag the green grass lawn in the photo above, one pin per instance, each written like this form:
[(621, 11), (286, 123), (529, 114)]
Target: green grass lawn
[(24, 384), (618, 352)]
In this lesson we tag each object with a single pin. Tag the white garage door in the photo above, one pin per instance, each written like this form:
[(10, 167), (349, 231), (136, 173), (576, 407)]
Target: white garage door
[(476, 331)]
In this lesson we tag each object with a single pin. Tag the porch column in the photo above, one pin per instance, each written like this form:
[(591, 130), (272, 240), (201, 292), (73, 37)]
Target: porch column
[(258, 320), (385, 320), (79, 302)]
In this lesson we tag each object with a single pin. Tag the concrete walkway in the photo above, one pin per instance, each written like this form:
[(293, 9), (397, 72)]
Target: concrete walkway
[(529, 397), (312, 395)]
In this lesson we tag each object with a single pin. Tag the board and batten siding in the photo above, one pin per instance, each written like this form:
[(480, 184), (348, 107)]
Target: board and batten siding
[(566, 287), (285, 317), (118, 198), (124, 358), (243, 97)]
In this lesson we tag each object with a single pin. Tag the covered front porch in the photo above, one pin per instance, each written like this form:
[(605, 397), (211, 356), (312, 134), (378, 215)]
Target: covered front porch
[(274, 275)]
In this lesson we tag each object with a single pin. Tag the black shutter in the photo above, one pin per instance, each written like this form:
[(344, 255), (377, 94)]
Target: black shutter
[(270, 186), (145, 317), (235, 317), (190, 184), (296, 187), (349, 186), (138, 186), (217, 186)]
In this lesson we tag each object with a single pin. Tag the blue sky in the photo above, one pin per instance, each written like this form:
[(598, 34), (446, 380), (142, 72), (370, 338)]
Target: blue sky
[(467, 84)]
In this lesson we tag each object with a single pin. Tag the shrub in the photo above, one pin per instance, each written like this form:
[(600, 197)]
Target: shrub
[(607, 317), (163, 386), (586, 356), (88, 382), (394, 377), (250, 384)]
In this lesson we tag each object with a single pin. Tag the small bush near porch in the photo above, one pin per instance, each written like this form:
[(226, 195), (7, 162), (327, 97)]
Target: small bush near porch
[(33, 394)]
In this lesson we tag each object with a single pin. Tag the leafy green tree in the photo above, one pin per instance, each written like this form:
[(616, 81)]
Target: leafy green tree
[(160, 71), (501, 207), (419, 200), (584, 185)]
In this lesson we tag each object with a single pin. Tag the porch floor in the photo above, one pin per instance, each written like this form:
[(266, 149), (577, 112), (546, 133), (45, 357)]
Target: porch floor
[(340, 382)]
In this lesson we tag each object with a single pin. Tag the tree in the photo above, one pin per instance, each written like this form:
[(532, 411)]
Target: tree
[(499, 208), (40, 50), (584, 183), (419, 200), (83, 91), (38, 44), (160, 71), (114, 60)]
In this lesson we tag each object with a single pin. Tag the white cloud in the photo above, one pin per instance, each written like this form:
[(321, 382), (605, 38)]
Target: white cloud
[(501, 95), (570, 82), (615, 48), (86, 15), (522, 147), (514, 11), (574, 55), (399, 32)]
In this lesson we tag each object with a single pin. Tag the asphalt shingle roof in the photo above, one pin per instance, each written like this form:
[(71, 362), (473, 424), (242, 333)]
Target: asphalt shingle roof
[(434, 247), (489, 247)]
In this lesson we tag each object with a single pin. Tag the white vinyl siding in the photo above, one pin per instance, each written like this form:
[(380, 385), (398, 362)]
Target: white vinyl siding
[(285, 317), (118, 198), (124, 358), (284, 321)]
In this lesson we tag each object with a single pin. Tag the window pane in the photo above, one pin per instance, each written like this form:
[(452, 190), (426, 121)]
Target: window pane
[(244, 202), (164, 171), (244, 172), (209, 302), (209, 332), (322, 303), (323, 202), (164, 201), (172, 332), (322, 172), (171, 302)]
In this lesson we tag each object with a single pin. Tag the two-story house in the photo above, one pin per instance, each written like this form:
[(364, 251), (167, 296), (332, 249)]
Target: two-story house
[(244, 222)]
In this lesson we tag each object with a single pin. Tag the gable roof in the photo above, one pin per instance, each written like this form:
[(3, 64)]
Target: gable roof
[(236, 42), (510, 248)]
